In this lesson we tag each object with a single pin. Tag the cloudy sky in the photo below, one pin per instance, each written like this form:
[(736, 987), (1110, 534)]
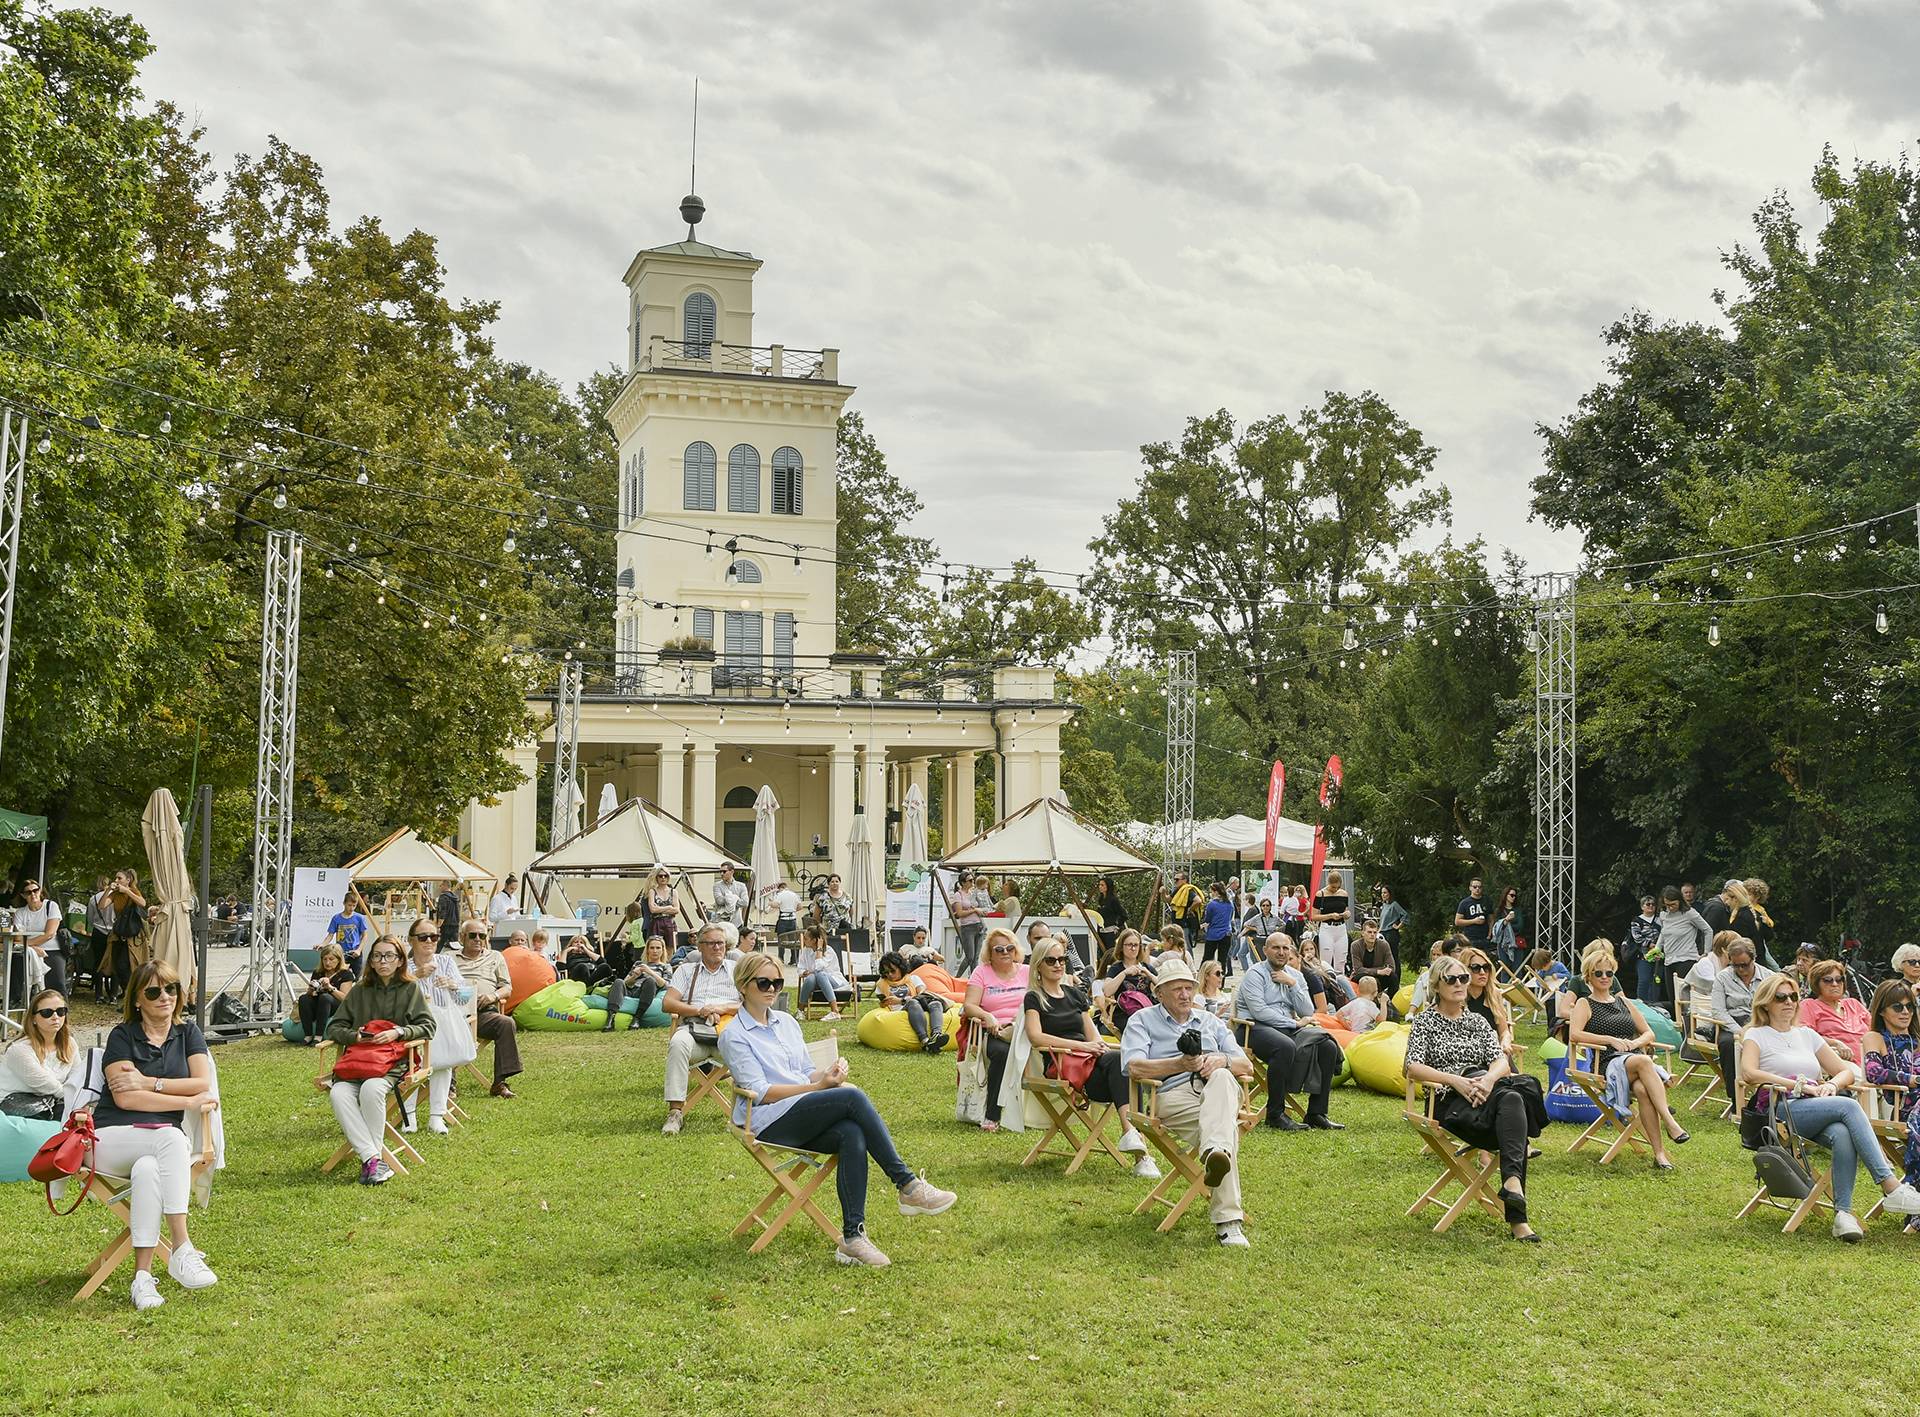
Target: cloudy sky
[(1043, 232)]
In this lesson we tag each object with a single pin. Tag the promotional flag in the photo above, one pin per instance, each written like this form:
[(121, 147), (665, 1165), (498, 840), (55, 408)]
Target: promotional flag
[(1276, 789)]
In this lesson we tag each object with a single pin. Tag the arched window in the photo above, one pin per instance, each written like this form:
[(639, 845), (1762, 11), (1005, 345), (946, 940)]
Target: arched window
[(737, 798), (788, 474), (700, 463), (696, 325), (743, 478), (744, 572), (633, 488)]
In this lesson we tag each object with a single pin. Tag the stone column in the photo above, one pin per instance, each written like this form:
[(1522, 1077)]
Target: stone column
[(670, 788), (960, 800), (702, 804), (839, 804)]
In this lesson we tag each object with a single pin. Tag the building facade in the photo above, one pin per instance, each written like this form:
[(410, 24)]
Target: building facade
[(728, 673)]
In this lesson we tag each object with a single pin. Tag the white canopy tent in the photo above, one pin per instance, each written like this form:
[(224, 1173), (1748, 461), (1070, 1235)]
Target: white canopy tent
[(1238, 838), (631, 841), (403, 856)]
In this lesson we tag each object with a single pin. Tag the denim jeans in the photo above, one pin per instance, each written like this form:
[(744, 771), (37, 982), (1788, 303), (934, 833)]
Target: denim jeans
[(1242, 953), (824, 981), (1839, 1124), (1649, 986), (928, 1015), (842, 1120)]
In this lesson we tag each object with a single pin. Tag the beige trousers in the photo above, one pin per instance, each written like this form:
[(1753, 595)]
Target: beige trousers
[(1208, 1117), (682, 1054)]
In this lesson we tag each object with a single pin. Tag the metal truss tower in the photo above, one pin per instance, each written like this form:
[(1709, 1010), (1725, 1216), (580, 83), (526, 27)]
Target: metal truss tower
[(13, 505), (567, 799), (1555, 658), (1176, 842), (267, 996)]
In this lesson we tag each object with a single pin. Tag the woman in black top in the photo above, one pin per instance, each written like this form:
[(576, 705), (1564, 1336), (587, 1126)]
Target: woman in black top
[(157, 1069), (1603, 1020), (326, 987), (1113, 914), (1057, 1016)]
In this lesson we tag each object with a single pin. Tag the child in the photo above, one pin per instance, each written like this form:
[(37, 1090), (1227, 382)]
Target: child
[(899, 989), (1364, 1010)]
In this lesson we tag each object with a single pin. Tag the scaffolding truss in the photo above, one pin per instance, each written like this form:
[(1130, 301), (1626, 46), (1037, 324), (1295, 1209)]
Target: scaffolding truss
[(13, 505), (568, 795), (266, 997), (1555, 662), (1176, 838)]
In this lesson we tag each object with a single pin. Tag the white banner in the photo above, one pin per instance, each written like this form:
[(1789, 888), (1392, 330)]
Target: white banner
[(318, 894)]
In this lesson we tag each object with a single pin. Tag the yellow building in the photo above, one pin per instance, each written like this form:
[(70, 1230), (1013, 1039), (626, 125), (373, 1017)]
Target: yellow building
[(727, 530)]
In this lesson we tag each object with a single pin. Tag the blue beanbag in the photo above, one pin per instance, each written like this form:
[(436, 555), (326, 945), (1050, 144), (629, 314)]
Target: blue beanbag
[(20, 1138)]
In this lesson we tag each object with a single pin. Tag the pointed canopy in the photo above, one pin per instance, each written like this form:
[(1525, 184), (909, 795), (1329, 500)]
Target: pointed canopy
[(403, 856), (631, 842), (1047, 835)]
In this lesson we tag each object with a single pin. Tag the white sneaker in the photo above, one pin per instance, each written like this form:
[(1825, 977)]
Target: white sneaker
[(1232, 1235), (920, 1197), (189, 1269), (671, 1127), (1902, 1200), (860, 1250), (437, 1125), (146, 1294), (1845, 1227), (1131, 1140), (1145, 1169)]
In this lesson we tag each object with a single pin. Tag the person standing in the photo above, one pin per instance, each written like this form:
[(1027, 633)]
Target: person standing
[(1683, 938), (1470, 916), (1186, 904), (36, 921), (348, 927), (129, 919), (1639, 956), (1216, 925), (1330, 911), (100, 931), (786, 914), (1393, 918), (1508, 929), (730, 897), (447, 911), (505, 902)]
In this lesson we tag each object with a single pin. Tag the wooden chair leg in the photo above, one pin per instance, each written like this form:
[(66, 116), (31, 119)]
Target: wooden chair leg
[(799, 1200), (1814, 1198)]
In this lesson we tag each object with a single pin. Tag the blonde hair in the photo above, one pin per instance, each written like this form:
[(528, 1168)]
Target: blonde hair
[(1210, 970), (1019, 950), (1763, 997), (1596, 953), (1472, 954), (749, 966), (1734, 893)]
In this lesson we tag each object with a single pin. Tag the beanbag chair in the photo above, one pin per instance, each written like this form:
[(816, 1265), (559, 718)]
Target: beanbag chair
[(20, 1138), (938, 981), (1342, 1035), (1662, 1026), (559, 1008), (531, 972), (1553, 1048), (892, 1031), (1378, 1059), (291, 1030), (1403, 999), (656, 1015)]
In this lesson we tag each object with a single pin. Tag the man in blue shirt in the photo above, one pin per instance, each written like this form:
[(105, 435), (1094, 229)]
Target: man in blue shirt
[(1272, 1003), (1199, 1100)]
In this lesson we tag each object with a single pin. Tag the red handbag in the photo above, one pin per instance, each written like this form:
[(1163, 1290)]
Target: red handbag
[(64, 1154), (1074, 1069), (360, 1060)]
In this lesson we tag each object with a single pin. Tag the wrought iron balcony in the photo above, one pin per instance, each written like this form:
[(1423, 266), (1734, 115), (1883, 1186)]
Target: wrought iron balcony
[(714, 356)]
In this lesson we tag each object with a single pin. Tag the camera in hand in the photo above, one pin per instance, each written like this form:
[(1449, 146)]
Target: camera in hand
[(1189, 1044)]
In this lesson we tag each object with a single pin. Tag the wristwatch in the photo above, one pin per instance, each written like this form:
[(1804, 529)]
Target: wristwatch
[(158, 1085)]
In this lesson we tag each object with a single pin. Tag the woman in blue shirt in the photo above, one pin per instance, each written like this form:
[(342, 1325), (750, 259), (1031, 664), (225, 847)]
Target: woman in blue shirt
[(799, 1105), (1216, 927)]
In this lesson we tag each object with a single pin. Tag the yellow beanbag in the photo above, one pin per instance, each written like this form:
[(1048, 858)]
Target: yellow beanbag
[(1378, 1059), (1403, 1000), (892, 1030)]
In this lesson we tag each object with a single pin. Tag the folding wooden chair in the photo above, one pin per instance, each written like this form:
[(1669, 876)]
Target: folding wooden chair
[(1701, 1054), (116, 1194), (796, 1173), (1067, 1109), (393, 1142), (1251, 1109), (1521, 988), (1626, 1131), (480, 1046), (1818, 1197), (1184, 1181), (1886, 1104), (1470, 1168)]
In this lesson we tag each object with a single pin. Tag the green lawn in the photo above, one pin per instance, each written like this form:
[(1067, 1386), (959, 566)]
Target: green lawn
[(561, 1256)]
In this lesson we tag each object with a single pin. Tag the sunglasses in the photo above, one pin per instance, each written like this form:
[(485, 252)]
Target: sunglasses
[(473, 935), (417, 938), (1602, 974), (1003, 949), (1054, 959), (770, 983), (62, 1013), (1904, 1005), (1453, 978), (1786, 998), (1480, 968), (160, 991)]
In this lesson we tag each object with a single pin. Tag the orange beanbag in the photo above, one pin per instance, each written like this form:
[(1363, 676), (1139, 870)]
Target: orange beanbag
[(938, 981), (1341, 1034), (531, 971)]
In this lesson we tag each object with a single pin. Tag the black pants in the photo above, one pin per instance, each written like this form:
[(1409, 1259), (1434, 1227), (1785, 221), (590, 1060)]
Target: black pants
[(1510, 1127), (996, 1074), (1218, 949), (643, 993), (316, 1012), (56, 962), (1727, 1044), (1277, 1048)]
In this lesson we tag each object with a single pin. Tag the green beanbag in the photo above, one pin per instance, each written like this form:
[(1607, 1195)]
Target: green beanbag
[(1662, 1026), (1378, 1059), (892, 1031), (655, 1017), (291, 1030), (20, 1138), (1551, 1049), (559, 1008), (599, 1001)]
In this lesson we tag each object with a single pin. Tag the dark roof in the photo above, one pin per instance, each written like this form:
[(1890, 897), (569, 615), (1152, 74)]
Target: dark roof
[(696, 248)]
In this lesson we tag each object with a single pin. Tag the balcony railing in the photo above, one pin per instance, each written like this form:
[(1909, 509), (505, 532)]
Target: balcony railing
[(774, 361)]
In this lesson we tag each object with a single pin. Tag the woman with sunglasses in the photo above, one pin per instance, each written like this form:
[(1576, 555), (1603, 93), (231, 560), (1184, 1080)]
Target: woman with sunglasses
[(1830, 1011), (1788, 1064), (1892, 1048), (663, 913), (157, 1068), (995, 992), (1477, 1096), (34, 1069), (450, 1000), (799, 1105), (387, 995), (1484, 998), (1057, 1015), (1603, 1019)]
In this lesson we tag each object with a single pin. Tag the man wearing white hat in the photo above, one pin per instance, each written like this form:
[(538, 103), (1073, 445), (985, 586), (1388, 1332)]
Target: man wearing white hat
[(1193, 1056)]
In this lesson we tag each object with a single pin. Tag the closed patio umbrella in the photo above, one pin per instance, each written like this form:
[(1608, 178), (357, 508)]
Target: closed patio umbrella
[(766, 854), (862, 870), (172, 907), (609, 802), (913, 830)]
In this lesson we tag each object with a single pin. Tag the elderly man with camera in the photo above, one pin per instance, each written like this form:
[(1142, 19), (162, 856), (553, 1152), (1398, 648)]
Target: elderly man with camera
[(1199, 1067)]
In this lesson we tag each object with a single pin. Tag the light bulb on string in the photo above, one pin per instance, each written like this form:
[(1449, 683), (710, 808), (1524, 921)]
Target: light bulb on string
[(1348, 639), (1713, 630), (1880, 617), (380, 599), (360, 478), (509, 543), (166, 424), (280, 499), (353, 547), (45, 445)]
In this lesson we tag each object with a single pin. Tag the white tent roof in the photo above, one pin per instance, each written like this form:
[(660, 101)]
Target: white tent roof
[(631, 842), (1046, 835), (1224, 838), (403, 856)]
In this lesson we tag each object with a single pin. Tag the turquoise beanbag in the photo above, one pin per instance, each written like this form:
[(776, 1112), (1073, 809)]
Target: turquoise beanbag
[(1662, 1026), (20, 1138)]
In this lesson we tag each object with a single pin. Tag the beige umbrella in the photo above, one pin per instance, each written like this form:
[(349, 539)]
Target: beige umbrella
[(863, 883), (172, 906)]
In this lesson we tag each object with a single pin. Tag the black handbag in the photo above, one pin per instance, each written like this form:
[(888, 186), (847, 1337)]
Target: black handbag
[(37, 1105), (1776, 1164)]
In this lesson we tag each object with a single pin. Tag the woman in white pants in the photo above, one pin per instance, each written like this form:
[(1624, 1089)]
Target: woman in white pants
[(156, 1068), (384, 995), (450, 1001)]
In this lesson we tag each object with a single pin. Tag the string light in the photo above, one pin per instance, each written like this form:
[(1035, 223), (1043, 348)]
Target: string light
[(280, 499), (1880, 617), (1713, 630)]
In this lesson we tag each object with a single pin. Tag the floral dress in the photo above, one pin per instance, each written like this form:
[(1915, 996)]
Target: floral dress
[(1900, 1065)]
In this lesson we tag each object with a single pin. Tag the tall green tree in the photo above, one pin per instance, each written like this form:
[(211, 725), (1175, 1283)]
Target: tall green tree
[(985, 615), (877, 580)]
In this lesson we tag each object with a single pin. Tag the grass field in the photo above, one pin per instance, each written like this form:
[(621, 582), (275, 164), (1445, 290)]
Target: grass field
[(560, 1256)]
